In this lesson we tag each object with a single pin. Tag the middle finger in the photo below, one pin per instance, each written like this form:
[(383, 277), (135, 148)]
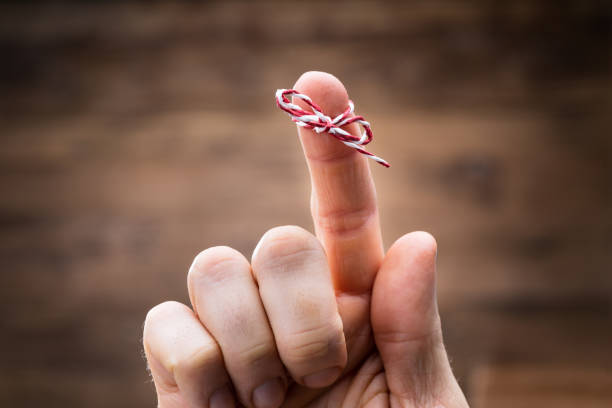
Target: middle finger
[(297, 292)]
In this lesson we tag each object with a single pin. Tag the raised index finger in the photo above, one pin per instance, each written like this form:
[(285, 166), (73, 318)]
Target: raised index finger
[(343, 200)]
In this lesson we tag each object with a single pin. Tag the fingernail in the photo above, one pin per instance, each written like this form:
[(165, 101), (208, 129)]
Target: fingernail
[(269, 394), (222, 398), (322, 378)]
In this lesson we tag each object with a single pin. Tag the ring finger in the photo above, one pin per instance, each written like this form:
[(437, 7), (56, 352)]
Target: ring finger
[(225, 298)]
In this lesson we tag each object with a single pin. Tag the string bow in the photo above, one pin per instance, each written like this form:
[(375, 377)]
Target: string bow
[(319, 122)]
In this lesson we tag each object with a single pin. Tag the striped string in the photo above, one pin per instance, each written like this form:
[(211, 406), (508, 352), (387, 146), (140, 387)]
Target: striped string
[(319, 122)]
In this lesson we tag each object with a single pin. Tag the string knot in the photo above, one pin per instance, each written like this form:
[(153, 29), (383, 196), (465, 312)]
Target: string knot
[(329, 125), (320, 123)]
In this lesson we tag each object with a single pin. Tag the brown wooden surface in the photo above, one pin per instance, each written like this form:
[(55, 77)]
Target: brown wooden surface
[(135, 136)]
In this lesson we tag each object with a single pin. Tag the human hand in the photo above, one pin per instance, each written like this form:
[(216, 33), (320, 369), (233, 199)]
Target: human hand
[(325, 321)]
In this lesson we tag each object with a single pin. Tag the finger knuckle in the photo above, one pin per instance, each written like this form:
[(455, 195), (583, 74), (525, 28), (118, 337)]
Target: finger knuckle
[(257, 353), (215, 265), (346, 221), (282, 245), (314, 343), (203, 358), (160, 313), (302, 351)]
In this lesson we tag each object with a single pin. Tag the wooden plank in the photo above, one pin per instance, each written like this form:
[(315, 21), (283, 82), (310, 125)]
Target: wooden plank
[(527, 386)]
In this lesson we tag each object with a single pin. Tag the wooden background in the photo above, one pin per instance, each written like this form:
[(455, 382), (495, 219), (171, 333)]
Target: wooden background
[(134, 136)]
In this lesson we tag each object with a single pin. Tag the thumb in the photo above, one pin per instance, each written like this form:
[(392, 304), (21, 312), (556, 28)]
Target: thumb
[(407, 328)]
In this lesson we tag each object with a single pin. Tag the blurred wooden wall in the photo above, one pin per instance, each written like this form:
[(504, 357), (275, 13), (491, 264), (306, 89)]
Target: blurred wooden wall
[(134, 136)]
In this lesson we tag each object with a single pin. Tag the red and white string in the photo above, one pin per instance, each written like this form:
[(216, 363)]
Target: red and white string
[(319, 122)]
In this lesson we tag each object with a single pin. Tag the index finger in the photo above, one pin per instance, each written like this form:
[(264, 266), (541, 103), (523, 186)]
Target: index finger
[(343, 200)]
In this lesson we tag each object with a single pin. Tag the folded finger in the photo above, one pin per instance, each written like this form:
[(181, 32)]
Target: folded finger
[(185, 361), (296, 289), (226, 300)]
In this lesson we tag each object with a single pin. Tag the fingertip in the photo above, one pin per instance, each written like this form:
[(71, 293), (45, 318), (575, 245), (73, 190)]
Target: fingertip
[(419, 245), (405, 318), (407, 280), (325, 90)]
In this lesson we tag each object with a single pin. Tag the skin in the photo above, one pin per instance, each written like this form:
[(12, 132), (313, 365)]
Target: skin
[(324, 320)]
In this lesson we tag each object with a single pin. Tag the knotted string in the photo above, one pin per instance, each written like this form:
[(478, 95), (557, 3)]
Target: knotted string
[(319, 122)]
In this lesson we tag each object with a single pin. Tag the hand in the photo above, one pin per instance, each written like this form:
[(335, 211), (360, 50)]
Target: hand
[(325, 321)]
